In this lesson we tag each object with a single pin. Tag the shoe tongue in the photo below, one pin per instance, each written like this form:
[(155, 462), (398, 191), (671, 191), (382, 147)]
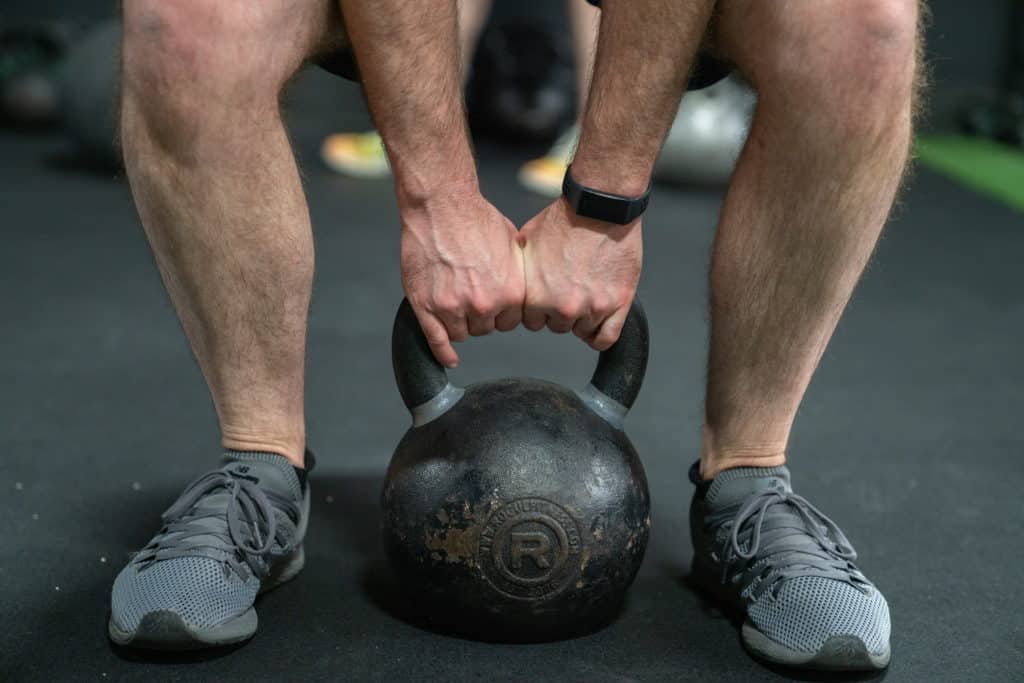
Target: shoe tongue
[(269, 471), (733, 486)]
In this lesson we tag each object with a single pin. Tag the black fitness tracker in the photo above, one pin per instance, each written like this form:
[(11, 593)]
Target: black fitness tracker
[(602, 206)]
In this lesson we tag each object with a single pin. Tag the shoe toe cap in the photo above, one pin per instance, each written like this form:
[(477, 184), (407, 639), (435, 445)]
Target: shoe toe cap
[(196, 589), (810, 612)]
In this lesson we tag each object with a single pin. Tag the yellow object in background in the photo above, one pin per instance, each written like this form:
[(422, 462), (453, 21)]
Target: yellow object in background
[(544, 176), (359, 155)]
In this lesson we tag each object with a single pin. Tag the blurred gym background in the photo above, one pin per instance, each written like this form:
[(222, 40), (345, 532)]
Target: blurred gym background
[(57, 83), (103, 414)]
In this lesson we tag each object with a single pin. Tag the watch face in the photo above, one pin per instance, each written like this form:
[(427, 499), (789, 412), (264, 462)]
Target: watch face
[(604, 207)]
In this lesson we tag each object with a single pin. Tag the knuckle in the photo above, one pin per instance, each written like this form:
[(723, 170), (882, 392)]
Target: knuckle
[(481, 306), (601, 307), (445, 304), (620, 298), (570, 310)]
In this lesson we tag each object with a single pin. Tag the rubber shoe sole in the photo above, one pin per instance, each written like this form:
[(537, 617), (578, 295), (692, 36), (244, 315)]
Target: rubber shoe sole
[(838, 653)]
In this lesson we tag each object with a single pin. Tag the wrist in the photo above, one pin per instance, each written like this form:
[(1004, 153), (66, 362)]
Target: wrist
[(573, 222), (590, 202), (433, 207), (611, 175), (615, 171), (433, 180)]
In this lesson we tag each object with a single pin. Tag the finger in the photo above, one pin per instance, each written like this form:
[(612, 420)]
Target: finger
[(534, 318), (610, 330), (437, 338), (509, 319), (560, 324), (585, 328), (456, 326), (480, 325)]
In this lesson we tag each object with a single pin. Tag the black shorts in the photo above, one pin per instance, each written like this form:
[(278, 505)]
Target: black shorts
[(707, 70)]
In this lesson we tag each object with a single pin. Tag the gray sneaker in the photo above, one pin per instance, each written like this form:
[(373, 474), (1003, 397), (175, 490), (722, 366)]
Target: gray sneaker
[(786, 567), (233, 533)]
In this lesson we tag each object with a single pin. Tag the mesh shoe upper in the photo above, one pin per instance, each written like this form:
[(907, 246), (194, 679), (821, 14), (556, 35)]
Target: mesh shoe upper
[(782, 560), (219, 539), (809, 609), (195, 588)]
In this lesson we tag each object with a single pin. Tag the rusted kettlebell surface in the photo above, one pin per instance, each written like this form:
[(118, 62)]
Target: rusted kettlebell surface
[(516, 509)]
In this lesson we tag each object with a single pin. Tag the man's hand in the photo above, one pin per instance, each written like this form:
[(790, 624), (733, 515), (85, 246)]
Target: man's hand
[(462, 270), (581, 274)]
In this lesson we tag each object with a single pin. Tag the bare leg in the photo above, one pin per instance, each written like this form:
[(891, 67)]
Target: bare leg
[(472, 17), (812, 190), (544, 175), (584, 20), (219, 195)]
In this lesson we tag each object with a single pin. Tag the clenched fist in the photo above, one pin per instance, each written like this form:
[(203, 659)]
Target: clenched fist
[(462, 270), (581, 274)]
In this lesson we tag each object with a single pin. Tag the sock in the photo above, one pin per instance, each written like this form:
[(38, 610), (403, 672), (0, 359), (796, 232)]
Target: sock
[(301, 472)]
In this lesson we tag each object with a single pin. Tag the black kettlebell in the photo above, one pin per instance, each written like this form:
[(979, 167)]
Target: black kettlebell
[(517, 509)]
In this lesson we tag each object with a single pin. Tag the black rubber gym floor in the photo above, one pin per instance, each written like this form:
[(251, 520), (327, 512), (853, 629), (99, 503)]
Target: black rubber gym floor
[(910, 436)]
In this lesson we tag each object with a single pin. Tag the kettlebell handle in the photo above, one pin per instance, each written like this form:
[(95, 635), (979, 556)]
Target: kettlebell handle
[(427, 393)]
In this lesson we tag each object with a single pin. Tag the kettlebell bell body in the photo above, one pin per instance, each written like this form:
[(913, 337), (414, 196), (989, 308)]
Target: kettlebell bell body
[(517, 509)]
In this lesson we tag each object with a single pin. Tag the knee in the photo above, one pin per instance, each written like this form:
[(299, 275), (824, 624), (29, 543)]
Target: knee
[(882, 40), (183, 61), (858, 66)]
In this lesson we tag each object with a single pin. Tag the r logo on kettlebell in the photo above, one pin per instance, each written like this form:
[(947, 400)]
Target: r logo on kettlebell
[(529, 548), (534, 544)]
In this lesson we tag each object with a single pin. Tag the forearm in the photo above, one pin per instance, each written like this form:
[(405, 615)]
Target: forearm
[(408, 62), (644, 54)]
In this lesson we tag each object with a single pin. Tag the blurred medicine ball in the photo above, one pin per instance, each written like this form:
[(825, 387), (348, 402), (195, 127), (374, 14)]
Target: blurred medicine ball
[(707, 135), (29, 54)]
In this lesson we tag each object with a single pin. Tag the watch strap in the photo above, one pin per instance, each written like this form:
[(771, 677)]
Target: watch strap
[(603, 206)]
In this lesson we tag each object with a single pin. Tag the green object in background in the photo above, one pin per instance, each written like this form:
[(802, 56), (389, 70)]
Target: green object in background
[(991, 168)]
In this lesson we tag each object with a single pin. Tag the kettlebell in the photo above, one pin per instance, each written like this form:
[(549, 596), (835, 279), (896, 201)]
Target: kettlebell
[(516, 510)]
